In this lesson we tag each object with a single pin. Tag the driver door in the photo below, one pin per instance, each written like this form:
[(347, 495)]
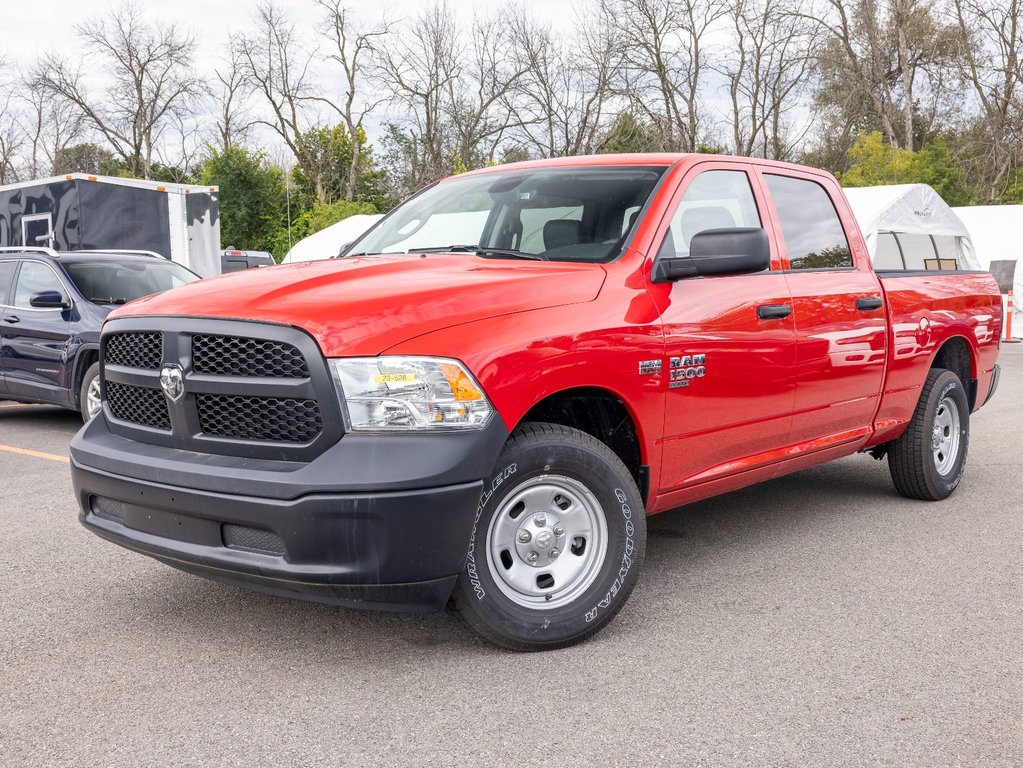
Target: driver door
[(729, 342)]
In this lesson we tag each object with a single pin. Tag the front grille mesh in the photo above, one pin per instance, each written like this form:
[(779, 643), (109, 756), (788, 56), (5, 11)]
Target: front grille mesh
[(238, 356), (138, 405), (274, 419), (134, 350)]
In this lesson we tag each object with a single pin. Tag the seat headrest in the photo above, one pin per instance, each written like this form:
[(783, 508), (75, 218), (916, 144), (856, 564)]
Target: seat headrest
[(696, 220), (558, 233)]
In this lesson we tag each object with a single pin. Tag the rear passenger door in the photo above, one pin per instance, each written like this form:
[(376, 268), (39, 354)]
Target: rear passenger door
[(7, 269), (35, 340), (838, 307), (729, 342)]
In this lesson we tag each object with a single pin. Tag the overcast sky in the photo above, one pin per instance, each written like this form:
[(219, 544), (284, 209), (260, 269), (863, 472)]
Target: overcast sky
[(36, 26)]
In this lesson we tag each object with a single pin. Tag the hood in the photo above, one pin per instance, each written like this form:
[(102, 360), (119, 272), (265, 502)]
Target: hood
[(365, 305)]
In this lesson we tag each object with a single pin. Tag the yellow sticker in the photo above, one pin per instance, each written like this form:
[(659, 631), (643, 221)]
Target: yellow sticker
[(394, 378)]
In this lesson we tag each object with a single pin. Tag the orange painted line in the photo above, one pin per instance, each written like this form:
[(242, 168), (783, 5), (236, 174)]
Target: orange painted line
[(35, 454)]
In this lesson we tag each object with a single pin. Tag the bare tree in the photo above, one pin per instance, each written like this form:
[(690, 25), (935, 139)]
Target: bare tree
[(416, 69), (51, 126), (768, 73), (149, 67), (353, 48), (278, 67), (882, 61), (234, 122), (11, 133), (992, 60), (666, 62), (563, 99)]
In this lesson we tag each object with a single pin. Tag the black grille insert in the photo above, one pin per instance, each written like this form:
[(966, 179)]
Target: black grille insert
[(252, 539), (277, 419), (138, 405), (240, 356), (134, 350)]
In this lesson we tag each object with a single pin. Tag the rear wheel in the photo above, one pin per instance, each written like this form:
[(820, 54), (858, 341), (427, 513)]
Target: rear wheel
[(928, 460), (559, 538), (89, 395)]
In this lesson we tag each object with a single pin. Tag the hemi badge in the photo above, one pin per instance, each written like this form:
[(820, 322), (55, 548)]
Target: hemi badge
[(649, 367)]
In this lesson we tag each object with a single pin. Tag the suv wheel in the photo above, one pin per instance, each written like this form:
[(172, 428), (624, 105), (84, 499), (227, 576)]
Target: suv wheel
[(89, 395)]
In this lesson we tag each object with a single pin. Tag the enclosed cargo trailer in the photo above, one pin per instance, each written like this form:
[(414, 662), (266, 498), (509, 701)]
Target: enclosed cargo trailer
[(81, 212)]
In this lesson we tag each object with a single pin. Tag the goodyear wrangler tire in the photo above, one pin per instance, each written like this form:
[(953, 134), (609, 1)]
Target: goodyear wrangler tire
[(928, 460), (558, 541)]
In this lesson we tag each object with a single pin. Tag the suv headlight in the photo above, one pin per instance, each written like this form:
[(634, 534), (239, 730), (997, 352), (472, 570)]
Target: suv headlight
[(397, 393)]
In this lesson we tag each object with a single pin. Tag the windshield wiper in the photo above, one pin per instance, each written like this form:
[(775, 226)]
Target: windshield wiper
[(480, 250), (111, 300)]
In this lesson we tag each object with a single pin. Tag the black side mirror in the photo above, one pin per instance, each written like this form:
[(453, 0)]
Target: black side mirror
[(735, 251), (48, 300)]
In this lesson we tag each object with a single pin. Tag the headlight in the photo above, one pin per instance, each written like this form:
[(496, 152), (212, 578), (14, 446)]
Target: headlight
[(409, 394)]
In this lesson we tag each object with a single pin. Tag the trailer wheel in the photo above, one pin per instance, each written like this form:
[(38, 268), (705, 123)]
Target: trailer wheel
[(928, 460), (89, 395), (558, 542)]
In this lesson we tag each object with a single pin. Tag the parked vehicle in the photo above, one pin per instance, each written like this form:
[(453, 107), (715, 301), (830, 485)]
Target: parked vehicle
[(52, 306), (233, 260), (487, 396)]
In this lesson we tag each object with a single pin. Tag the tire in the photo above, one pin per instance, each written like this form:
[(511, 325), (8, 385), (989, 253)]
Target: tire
[(90, 387), (575, 497), (928, 460)]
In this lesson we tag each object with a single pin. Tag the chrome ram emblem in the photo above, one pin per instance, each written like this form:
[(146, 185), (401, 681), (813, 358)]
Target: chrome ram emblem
[(172, 380)]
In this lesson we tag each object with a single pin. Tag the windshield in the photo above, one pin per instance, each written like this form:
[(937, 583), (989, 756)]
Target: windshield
[(116, 281), (559, 214)]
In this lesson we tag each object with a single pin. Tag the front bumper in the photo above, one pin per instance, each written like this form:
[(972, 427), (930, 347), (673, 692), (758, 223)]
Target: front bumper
[(331, 530)]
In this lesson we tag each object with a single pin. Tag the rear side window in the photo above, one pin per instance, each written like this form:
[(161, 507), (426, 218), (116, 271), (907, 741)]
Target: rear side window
[(34, 278), (810, 225), (713, 200), (6, 275)]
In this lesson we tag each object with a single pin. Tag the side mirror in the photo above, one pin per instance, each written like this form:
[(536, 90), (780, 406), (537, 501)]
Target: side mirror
[(48, 300), (735, 251)]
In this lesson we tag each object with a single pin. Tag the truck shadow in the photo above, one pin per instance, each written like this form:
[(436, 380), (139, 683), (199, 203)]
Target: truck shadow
[(739, 526)]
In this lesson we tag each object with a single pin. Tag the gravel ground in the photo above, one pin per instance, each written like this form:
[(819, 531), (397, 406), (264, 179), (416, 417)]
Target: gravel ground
[(816, 620)]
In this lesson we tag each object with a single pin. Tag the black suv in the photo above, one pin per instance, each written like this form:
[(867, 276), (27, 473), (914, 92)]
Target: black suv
[(52, 306)]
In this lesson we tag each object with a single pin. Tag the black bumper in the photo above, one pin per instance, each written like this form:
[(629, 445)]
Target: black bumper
[(313, 531)]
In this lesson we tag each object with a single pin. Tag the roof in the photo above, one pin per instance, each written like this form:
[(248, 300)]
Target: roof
[(159, 186)]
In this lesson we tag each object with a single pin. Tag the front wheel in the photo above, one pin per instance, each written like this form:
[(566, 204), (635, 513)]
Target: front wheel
[(928, 460), (89, 395), (558, 541)]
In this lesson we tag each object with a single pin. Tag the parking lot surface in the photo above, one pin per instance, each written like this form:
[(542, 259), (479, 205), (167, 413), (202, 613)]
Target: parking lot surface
[(818, 619)]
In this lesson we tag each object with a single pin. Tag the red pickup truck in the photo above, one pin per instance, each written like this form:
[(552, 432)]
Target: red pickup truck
[(484, 399)]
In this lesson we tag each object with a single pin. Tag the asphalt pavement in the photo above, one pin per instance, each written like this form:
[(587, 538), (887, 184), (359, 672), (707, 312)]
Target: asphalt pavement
[(816, 620)]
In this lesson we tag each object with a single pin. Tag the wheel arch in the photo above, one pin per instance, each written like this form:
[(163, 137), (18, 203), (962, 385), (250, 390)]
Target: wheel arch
[(603, 414), (956, 354), (87, 355)]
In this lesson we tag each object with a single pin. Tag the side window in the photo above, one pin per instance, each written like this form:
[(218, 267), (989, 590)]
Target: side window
[(713, 200), (6, 275), (813, 233), (33, 278)]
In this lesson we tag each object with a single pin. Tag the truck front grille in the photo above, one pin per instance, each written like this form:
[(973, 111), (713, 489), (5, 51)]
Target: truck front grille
[(259, 418), (238, 356), (250, 389), (138, 405), (134, 350)]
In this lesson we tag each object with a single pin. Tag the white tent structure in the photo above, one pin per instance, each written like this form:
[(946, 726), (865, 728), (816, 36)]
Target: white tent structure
[(909, 226), (327, 243), (995, 231)]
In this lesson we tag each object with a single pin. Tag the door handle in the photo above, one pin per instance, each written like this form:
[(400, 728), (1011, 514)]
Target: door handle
[(773, 311), (12, 319), (869, 303)]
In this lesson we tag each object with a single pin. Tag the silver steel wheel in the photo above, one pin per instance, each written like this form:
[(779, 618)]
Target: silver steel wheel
[(945, 436), (547, 542), (93, 403)]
